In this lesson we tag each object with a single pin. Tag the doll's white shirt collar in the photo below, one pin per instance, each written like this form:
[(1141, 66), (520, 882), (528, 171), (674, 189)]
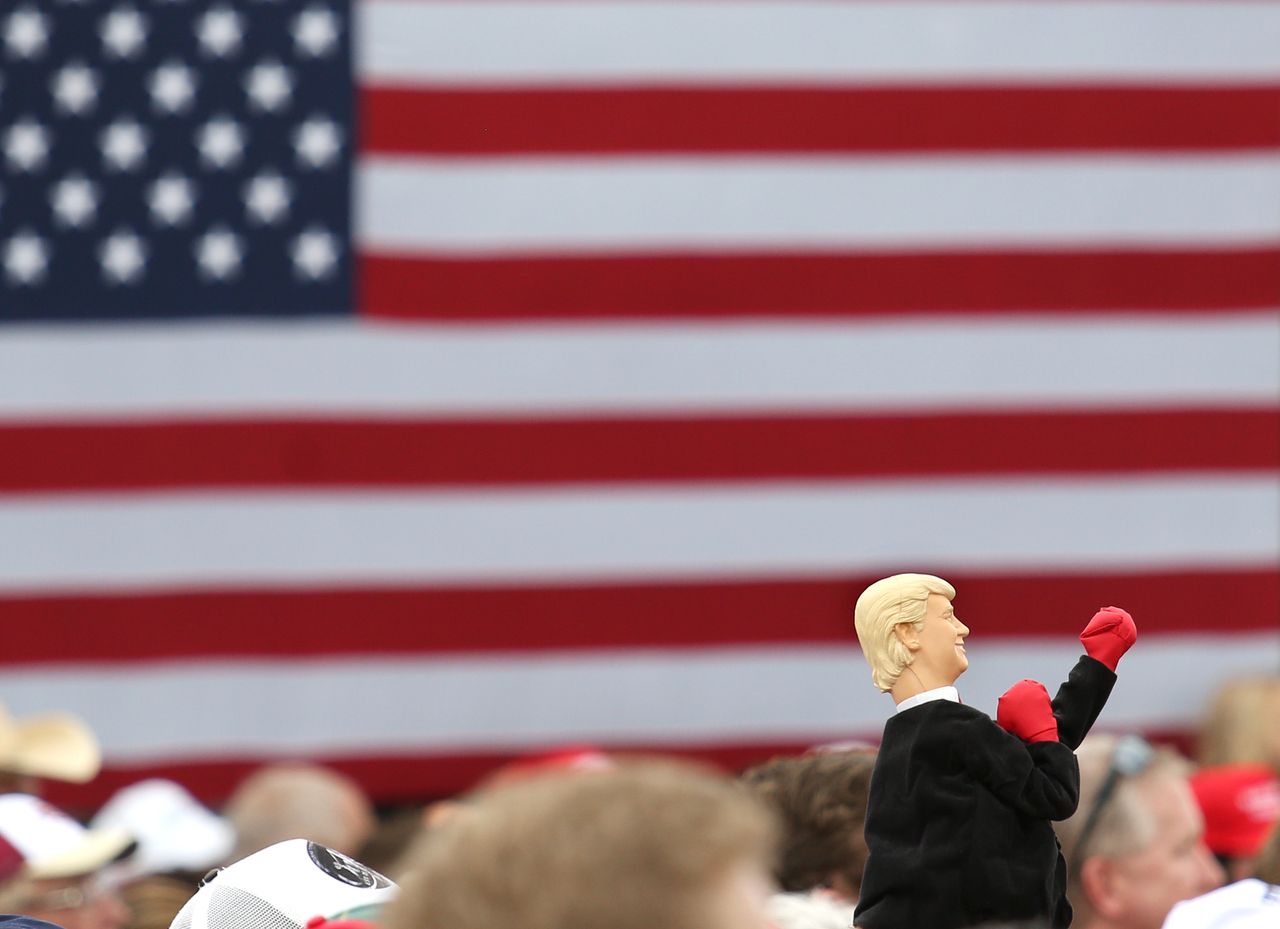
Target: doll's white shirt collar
[(938, 693)]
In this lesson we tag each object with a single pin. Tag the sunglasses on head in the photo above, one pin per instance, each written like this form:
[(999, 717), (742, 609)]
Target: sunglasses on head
[(1132, 756)]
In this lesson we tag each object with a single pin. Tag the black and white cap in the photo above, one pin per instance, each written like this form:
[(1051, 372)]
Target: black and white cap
[(283, 887)]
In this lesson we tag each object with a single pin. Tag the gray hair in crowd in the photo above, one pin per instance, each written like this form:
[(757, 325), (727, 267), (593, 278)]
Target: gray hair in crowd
[(1126, 825)]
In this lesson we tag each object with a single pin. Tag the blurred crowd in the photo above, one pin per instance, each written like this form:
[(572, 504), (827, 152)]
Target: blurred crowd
[(581, 839)]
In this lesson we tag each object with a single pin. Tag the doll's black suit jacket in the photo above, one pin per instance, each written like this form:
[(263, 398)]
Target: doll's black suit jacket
[(959, 811)]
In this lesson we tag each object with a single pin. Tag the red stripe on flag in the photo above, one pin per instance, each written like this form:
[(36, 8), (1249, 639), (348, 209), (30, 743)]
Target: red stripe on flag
[(846, 285), (347, 453), (500, 121), (411, 777), (387, 777), (130, 627)]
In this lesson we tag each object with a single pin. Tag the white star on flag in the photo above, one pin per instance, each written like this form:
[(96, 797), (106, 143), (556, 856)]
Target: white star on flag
[(123, 257), (221, 142), (123, 32), (172, 87), (267, 198), (269, 85), (26, 145), (26, 33), (315, 254), (124, 144), (220, 31), (218, 254), (171, 199), (316, 142), (75, 88), (315, 31), (74, 200), (26, 258)]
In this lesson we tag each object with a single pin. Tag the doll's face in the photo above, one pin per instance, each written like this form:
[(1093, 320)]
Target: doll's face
[(939, 658)]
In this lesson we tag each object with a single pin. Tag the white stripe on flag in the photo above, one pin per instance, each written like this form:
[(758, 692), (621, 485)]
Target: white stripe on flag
[(672, 697), (1025, 362), (818, 40), (586, 205), (634, 531)]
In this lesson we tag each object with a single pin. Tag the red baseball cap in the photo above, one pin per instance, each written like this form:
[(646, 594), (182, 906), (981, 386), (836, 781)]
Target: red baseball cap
[(1241, 803)]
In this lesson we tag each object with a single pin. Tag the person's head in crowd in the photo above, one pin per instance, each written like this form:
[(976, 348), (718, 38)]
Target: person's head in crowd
[(648, 844), (821, 801), (1240, 804), (1135, 845), (395, 836), (66, 876), (179, 840), (560, 759), (299, 801), (56, 746), (289, 885), (1242, 725), (174, 831)]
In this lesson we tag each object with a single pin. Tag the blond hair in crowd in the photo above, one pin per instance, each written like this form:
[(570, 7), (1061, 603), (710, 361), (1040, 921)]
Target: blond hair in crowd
[(1242, 725), (649, 844)]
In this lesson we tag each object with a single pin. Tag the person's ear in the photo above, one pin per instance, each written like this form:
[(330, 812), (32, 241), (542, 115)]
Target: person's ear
[(907, 635), (1103, 887)]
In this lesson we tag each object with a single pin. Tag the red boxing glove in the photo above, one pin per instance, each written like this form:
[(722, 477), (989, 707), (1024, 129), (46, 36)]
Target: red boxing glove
[(1025, 711), (1109, 635)]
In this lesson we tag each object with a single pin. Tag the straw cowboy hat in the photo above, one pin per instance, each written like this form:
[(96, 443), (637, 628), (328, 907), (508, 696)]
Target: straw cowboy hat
[(53, 745)]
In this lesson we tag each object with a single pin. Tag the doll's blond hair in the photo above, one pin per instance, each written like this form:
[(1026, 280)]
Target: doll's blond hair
[(888, 602)]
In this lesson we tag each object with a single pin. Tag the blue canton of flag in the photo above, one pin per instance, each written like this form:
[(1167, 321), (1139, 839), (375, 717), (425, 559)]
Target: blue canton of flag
[(175, 158)]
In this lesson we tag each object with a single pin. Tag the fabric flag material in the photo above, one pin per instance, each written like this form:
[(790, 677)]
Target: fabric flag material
[(412, 384)]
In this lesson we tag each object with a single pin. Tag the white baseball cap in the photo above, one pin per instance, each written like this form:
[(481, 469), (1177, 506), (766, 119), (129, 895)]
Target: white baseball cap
[(174, 831), (1247, 904), (52, 843), (284, 886)]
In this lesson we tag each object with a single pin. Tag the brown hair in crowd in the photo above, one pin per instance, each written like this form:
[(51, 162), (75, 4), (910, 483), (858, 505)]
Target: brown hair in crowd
[(821, 800)]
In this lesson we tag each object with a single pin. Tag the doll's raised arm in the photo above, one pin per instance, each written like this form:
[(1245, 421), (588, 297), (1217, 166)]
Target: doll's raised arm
[(1082, 696)]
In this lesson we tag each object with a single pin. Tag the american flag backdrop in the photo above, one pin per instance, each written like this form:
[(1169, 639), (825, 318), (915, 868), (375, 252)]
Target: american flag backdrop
[(410, 384)]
